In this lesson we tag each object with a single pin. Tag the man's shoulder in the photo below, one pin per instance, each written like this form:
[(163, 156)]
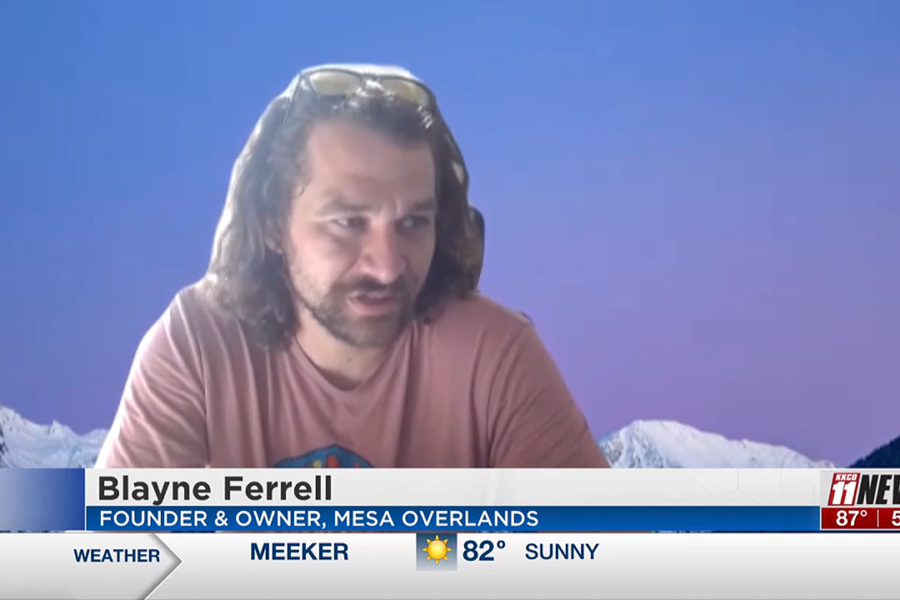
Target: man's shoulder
[(195, 313), (475, 317)]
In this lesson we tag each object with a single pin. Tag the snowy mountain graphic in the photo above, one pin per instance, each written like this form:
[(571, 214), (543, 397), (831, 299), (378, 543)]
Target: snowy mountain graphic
[(669, 444), (643, 444), (24, 444)]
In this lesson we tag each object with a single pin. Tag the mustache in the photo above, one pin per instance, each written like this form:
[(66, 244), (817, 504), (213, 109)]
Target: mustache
[(367, 285)]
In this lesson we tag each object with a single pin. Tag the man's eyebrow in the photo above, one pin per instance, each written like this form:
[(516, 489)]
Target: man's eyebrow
[(429, 204), (338, 204), (341, 205)]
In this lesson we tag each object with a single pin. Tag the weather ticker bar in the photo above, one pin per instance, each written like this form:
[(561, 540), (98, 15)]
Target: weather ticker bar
[(450, 566)]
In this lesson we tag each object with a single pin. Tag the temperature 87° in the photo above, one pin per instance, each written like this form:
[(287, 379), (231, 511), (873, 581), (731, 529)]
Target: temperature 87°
[(848, 517), (483, 551)]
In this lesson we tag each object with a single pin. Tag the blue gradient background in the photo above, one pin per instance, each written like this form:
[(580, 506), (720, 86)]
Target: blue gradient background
[(42, 500), (698, 202)]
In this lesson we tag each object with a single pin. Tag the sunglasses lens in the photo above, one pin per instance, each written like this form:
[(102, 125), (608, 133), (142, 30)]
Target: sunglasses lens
[(407, 90), (334, 83)]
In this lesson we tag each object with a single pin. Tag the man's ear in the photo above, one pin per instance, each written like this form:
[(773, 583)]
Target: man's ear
[(272, 244), (273, 238), (478, 222), (276, 233)]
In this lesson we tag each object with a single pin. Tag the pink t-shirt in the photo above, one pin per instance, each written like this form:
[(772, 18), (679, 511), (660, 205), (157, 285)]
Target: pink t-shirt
[(471, 387)]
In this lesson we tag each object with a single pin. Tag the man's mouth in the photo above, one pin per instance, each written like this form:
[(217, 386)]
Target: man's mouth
[(373, 302)]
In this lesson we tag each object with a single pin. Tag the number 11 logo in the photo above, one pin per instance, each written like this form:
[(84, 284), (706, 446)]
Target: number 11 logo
[(843, 489)]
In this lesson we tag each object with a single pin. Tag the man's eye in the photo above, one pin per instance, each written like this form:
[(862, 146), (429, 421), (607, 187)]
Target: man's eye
[(350, 222), (410, 223)]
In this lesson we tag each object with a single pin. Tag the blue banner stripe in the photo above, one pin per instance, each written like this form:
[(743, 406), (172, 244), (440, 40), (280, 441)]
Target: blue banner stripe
[(456, 519)]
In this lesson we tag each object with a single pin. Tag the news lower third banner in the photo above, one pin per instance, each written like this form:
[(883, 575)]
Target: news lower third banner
[(452, 501)]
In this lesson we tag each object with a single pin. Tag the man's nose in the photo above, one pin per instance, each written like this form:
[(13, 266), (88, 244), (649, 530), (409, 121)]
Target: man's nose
[(382, 255)]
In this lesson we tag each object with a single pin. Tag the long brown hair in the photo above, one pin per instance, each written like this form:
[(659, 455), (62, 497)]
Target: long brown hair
[(249, 279)]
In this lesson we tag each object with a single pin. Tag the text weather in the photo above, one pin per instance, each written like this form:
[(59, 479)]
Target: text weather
[(116, 555)]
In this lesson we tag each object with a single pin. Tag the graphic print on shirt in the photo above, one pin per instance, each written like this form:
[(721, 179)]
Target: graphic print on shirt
[(329, 457)]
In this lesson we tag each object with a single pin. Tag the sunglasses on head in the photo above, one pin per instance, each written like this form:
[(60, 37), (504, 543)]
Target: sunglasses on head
[(345, 81)]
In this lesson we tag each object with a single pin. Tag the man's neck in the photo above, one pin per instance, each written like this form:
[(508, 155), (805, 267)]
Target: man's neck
[(344, 366)]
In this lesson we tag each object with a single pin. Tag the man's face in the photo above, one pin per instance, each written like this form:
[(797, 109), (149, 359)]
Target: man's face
[(361, 232)]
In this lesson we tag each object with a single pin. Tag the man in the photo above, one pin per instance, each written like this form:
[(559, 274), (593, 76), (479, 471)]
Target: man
[(338, 324)]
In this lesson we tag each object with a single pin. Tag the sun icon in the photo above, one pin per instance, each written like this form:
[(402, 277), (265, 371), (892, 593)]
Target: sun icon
[(437, 549)]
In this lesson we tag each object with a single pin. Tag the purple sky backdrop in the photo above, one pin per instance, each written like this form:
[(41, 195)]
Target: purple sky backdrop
[(697, 202)]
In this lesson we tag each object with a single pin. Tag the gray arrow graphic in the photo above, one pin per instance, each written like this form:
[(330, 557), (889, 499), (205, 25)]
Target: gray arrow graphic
[(174, 561)]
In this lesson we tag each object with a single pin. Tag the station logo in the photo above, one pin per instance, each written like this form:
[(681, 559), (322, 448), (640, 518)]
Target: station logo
[(864, 489)]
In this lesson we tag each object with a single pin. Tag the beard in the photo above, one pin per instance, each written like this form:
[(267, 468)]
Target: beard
[(332, 308)]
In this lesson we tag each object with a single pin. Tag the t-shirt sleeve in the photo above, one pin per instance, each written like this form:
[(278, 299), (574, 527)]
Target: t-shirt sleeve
[(160, 422), (535, 422)]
